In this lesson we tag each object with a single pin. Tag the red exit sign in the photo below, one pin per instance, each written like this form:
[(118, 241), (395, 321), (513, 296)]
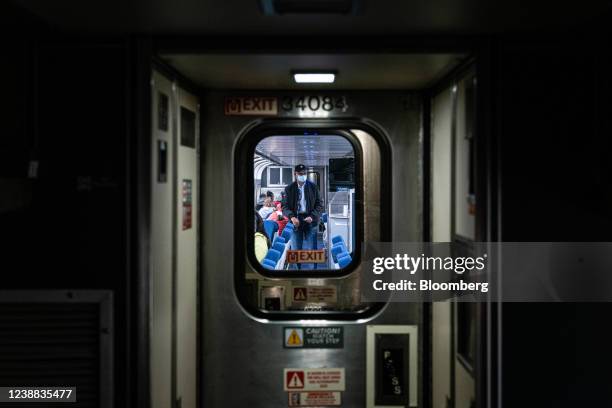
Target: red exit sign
[(251, 106), (306, 256)]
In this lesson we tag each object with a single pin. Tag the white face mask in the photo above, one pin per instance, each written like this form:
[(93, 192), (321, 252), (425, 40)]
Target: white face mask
[(301, 178)]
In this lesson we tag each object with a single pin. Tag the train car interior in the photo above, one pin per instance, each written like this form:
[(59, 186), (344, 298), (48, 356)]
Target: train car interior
[(330, 162), (195, 191)]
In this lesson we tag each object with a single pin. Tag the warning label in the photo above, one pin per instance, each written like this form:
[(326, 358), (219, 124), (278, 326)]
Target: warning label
[(294, 380), (294, 337), (322, 294), (314, 379), (299, 294), (315, 399), (315, 294), (314, 337)]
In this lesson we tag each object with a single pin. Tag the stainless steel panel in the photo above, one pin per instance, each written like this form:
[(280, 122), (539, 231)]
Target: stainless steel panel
[(244, 358)]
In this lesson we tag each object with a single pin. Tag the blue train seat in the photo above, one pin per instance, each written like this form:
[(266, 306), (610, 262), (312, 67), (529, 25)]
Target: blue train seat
[(344, 259), (268, 264), (278, 239), (287, 234), (270, 227), (279, 245), (273, 255), (337, 239), (337, 249)]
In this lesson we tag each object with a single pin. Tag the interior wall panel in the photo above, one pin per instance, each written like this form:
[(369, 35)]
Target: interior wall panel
[(441, 122), (161, 244), (186, 247)]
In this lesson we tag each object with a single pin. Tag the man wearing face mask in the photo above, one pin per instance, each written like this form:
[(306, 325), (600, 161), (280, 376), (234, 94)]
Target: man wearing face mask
[(302, 206)]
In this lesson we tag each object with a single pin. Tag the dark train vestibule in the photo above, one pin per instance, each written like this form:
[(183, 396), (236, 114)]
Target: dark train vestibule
[(286, 203)]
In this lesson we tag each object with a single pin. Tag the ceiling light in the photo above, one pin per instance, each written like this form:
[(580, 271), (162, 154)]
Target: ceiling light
[(309, 6), (314, 78)]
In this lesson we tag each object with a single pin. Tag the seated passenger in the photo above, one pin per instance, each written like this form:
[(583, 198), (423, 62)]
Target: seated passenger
[(267, 209), (262, 241), (273, 198), (280, 219), (260, 202)]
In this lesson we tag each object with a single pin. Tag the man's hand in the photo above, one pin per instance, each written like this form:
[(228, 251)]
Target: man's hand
[(308, 219), (295, 221)]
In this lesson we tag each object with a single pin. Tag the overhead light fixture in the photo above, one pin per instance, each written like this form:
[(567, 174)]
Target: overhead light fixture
[(289, 7), (314, 77)]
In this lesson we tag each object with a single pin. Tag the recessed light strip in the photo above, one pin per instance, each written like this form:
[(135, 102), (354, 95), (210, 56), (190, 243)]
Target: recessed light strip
[(314, 78)]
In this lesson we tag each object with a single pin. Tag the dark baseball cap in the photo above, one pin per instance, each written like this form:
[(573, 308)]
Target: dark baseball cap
[(300, 168)]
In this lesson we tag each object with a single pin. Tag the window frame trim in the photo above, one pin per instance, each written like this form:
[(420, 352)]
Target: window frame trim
[(241, 240)]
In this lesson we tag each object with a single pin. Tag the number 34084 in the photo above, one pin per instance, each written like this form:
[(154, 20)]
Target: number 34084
[(314, 103)]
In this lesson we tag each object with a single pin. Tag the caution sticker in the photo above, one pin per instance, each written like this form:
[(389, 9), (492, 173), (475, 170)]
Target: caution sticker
[(315, 294), (294, 337), (315, 399), (300, 294), (314, 379), (313, 337)]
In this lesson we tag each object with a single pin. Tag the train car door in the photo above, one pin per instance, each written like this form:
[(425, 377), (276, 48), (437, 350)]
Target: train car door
[(454, 324), (174, 242), (161, 241), (442, 354)]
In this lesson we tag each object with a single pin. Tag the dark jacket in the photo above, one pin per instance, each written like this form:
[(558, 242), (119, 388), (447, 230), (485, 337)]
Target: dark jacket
[(314, 206)]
